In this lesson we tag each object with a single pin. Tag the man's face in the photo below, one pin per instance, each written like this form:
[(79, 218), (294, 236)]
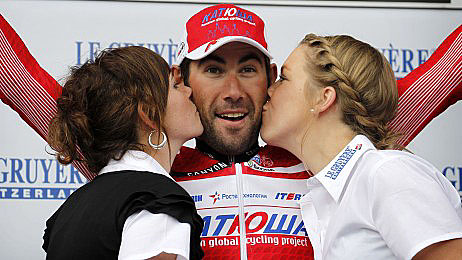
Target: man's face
[(229, 89)]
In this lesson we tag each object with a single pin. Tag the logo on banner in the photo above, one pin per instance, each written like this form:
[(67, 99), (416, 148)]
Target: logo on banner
[(37, 178), (88, 50), (454, 175), (402, 59)]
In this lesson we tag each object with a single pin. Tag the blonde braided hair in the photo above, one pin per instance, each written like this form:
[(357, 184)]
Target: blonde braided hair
[(364, 81)]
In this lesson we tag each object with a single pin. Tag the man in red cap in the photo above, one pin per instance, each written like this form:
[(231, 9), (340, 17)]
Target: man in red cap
[(246, 194)]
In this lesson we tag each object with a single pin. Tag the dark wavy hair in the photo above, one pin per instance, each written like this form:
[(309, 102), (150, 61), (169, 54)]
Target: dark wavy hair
[(98, 110)]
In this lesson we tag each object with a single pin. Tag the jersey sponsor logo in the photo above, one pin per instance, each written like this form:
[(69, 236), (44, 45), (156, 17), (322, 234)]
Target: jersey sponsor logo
[(258, 222), (196, 198), (259, 239), (215, 197), (224, 196), (261, 160), (257, 167), (341, 161), (214, 168), (288, 196)]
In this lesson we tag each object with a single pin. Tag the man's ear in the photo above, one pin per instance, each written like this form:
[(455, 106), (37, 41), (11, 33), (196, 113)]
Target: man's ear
[(273, 73), (177, 77), (326, 100)]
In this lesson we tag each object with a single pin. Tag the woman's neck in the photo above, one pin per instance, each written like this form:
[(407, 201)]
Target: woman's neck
[(325, 142), (165, 156)]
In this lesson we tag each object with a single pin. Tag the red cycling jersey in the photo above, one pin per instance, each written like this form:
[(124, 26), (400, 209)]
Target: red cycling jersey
[(261, 187)]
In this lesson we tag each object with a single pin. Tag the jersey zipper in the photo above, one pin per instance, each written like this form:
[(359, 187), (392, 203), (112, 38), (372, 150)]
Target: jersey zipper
[(240, 197)]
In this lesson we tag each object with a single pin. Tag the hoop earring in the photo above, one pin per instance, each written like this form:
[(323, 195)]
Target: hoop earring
[(157, 146)]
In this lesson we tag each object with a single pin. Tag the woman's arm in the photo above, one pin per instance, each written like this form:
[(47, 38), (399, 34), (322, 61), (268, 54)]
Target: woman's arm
[(450, 249)]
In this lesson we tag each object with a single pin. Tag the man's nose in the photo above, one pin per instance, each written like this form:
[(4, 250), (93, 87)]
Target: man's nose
[(233, 88)]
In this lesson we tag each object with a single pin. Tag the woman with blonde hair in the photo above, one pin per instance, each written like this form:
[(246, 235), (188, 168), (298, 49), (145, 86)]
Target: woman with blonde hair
[(330, 108), (129, 122)]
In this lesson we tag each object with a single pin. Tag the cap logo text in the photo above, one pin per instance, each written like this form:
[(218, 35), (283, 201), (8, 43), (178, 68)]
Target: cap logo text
[(225, 14)]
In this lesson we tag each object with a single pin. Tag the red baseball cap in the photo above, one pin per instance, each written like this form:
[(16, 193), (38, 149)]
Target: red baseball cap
[(217, 25)]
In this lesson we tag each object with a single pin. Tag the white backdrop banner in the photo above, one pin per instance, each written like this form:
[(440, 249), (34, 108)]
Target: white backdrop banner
[(60, 34)]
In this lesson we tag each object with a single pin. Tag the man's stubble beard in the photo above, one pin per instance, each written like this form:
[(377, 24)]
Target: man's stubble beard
[(236, 142)]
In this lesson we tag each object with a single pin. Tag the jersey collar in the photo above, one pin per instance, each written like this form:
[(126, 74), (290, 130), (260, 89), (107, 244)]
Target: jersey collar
[(228, 159)]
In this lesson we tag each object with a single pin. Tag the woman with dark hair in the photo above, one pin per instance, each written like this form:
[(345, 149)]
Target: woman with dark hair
[(128, 121), (331, 108)]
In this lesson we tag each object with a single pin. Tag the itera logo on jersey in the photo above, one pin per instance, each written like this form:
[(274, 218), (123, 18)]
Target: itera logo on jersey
[(37, 178), (288, 196)]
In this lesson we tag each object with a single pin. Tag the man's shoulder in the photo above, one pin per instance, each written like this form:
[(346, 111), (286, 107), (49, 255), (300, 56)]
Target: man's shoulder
[(191, 159), (279, 157)]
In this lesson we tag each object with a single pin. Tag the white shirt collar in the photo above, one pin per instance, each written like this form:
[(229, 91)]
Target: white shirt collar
[(134, 160), (337, 172)]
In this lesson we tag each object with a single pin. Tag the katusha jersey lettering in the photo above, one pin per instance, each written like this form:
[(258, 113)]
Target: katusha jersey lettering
[(263, 190)]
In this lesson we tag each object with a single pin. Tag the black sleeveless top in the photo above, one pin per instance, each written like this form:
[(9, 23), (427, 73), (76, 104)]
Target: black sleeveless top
[(89, 224)]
